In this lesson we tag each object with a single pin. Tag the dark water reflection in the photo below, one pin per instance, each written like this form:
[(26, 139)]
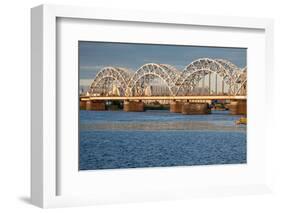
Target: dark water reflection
[(110, 140)]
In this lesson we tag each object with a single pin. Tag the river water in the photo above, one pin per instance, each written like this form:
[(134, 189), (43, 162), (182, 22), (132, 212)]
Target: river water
[(117, 139)]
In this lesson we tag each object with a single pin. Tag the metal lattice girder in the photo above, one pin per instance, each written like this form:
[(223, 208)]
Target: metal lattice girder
[(147, 73), (109, 76), (232, 68), (241, 82), (196, 70), (164, 79)]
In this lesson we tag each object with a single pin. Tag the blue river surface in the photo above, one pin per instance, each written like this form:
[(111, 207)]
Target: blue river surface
[(117, 139)]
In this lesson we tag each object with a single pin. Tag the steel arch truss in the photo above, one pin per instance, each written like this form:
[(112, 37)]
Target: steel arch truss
[(163, 79), (241, 82), (198, 69), (147, 77), (232, 68), (111, 81)]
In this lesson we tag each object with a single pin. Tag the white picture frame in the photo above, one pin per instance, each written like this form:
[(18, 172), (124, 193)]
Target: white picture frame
[(44, 148)]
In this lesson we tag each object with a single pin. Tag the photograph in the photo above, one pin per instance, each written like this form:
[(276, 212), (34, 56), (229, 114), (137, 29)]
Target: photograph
[(161, 105)]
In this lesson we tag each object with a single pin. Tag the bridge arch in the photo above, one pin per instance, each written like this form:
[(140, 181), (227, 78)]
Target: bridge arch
[(229, 66), (164, 79), (199, 68), (109, 79), (241, 82), (147, 74)]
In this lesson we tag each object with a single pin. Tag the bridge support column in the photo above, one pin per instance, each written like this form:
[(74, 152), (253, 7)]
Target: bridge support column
[(82, 105), (176, 106), (95, 105), (195, 108), (238, 107), (133, 106)]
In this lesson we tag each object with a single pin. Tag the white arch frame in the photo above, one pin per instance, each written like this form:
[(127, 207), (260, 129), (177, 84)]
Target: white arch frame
[(205, 65), (243, 75), (173, 78), (121, 75), (163, 72)]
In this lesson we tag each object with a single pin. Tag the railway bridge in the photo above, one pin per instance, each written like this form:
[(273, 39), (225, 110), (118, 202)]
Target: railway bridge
[(189, 91)]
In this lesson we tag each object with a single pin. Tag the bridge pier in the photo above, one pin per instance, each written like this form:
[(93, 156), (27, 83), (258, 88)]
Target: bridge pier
[(189, 108), (195, 108), (176, 106), (82, 105), (133, 106), (95, 105), (238, 107)]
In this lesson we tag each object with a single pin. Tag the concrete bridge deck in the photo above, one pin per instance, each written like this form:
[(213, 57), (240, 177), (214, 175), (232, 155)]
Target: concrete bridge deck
[(201, 97)]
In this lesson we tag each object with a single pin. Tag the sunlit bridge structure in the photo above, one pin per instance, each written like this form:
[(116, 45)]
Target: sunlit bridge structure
[(111, 81), (203, 76), (202, 79)]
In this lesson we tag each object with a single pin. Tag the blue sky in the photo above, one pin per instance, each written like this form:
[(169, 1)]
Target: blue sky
[(93, 56)]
